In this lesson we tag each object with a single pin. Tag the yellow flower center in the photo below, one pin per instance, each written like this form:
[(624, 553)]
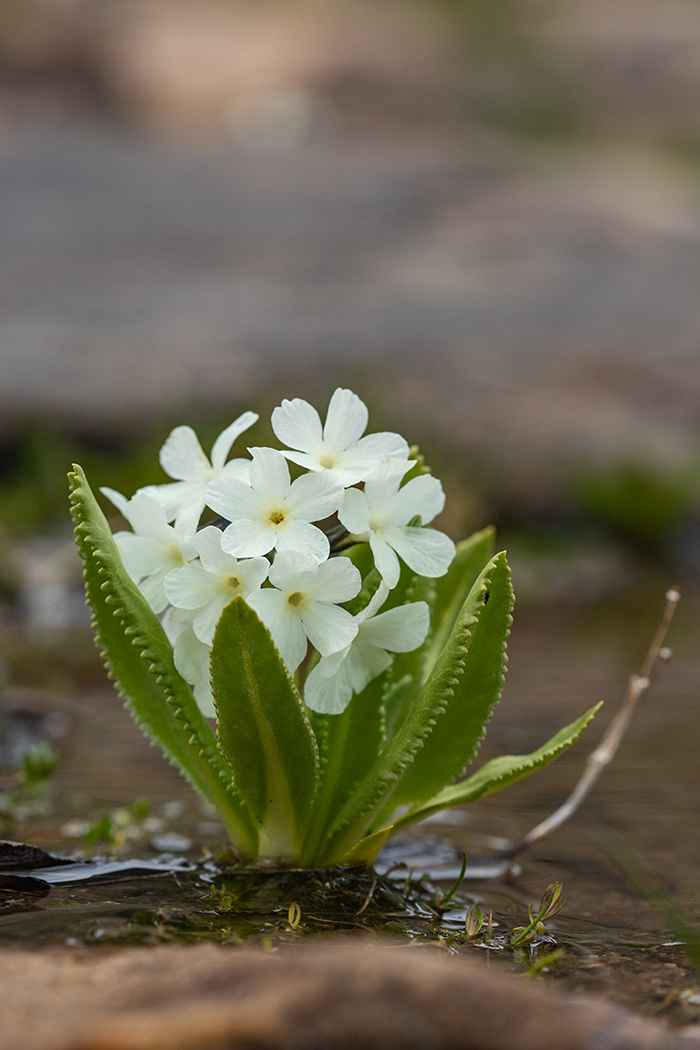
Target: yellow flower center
[(277, 517), (327, 462), (295, 599), (233, 583)]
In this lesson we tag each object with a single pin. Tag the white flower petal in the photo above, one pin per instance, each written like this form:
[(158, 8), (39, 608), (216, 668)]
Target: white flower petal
[(346, 420), (288, 566), (208, 546), (181, 456), (119, 501), (205, 621), (173, 625), (140, 555), (238, 469), (204, 696), (327, 695), (269, 474), (297, 424), (365, 662), (375, 603), (232, 499), (422, 495), (381, 446), (187, 519), (190, 587), (354, 512), (248, 539), (328, 665), (426, 551), (329, 627), (337, 580), (222, 445), (400, 630), (385, 561), (300, 536), (314, 497), (303, 459), (283, 624), (146, 516), (252, 573), (152, 590), (383, 483), (191, 659), (175, 496)]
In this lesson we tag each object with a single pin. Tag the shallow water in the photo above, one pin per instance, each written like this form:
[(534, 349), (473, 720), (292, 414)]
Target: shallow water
[(561, 661)]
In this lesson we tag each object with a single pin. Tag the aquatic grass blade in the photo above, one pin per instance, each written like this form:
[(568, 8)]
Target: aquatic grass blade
[(139, 657), (263, 730), (499, 773), (473, 666)]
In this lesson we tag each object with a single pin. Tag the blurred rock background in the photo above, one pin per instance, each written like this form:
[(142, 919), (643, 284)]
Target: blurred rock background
[(484, 215)]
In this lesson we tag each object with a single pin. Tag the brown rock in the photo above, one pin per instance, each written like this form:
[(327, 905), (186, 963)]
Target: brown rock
[(355, 996)]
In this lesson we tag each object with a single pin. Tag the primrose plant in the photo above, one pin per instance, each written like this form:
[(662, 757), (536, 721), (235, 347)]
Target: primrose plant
[(316, 659)]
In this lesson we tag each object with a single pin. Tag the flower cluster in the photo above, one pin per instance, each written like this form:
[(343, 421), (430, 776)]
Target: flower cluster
[(286, 546)]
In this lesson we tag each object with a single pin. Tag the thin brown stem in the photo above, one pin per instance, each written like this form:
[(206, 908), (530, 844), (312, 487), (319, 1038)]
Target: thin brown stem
[(605, 752)]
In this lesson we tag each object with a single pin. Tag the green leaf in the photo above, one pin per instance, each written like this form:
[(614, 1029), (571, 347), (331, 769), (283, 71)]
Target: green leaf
[(373, 798), (367, 849), (499, 773), (263, 730), (352, 741), (452, 589), (139, 657), (476, 657), (394, 706)]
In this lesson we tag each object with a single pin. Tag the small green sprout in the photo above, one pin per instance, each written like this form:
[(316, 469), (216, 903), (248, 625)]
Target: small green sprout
[(552, 902), (442, 899), (222, 900), (294, 916), (474, 921), (542, 963)]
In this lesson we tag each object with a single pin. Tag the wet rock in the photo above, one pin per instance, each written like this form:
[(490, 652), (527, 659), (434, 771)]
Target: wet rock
[(19, 892), (353, 996), (19, 856)]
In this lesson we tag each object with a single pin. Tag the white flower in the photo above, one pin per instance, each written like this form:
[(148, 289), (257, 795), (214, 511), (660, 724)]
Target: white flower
[(182, 457), (331, 684), (382, 514), (303, 604), (208, 587), (337, 448), (153, 548), (272, 511), (191, 658)]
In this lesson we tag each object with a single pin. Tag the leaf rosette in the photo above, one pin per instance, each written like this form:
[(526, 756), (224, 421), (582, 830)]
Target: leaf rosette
[(319, 661)]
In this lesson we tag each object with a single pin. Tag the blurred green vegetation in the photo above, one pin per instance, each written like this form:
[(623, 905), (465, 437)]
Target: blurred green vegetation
[(36, 457), (639, 504), (512, 80)]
